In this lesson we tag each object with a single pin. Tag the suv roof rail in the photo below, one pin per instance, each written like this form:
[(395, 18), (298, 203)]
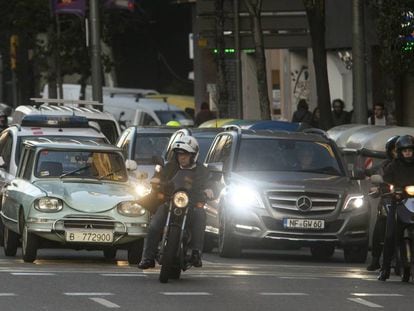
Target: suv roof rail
[(317, 131), (233, 127), (58, 101)]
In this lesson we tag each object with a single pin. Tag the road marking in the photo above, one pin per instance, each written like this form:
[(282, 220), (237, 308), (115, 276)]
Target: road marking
[(283, 294), (365, 302), (185, 293), (105, 302), (7, 294), (297, 278), (88, 294), (33, 273), (123, 274), (376, 295)]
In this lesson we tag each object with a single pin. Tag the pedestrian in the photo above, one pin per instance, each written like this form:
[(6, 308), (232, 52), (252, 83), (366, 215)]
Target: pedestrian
[(205, 114), (379, 115), (316, 116), (302, 113), (339, 115)]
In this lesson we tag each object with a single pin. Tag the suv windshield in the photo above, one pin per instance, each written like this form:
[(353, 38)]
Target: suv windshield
[(147, 146), (287, 155), (81, 164)]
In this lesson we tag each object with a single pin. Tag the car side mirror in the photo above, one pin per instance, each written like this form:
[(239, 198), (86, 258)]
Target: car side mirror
[(377, 179), (131, 165), (215, 167)]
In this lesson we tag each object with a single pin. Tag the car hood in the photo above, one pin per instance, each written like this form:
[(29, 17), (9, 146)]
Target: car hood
[(88, 197), (295, 181)]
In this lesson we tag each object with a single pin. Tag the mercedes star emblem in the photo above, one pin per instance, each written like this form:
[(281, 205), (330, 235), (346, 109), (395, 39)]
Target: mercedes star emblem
[(304, 203)]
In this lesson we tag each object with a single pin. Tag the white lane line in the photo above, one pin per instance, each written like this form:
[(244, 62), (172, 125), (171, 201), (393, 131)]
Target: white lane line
[(297, 278), (7, 294), (375, 295), (185, 293), (88, 294), (33, 273), (365, 302), (283, 294), (105, 302), (123, 274)]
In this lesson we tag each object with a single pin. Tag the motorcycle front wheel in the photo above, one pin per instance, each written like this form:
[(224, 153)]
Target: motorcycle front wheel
[(168, 261)]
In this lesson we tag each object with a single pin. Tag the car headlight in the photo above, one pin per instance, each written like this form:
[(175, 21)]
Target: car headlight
[(409, 190), (131, 209), (354, 202), (244, 196), (143, 189), (180, 199), (48, 204)]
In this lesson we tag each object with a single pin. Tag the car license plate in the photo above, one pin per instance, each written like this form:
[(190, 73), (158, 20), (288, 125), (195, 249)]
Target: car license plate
[(313, 224), (90, 236)]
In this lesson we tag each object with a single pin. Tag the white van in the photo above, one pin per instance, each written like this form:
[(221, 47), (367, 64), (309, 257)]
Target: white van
[(136, 111)]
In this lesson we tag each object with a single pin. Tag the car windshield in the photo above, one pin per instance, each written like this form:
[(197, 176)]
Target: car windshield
[(287, 155), (168, 115), (80, 164), (147, 146), (108, 128)]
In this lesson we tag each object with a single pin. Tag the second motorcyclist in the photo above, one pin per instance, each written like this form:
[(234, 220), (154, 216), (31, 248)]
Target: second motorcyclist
[(186, 152), (399, 173)]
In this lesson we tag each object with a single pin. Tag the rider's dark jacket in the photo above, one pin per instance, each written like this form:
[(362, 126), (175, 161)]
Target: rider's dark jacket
[(399, 173)]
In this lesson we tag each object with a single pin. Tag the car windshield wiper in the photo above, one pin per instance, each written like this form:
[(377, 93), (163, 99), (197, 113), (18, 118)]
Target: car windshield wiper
[(75, 171), (109, 174)]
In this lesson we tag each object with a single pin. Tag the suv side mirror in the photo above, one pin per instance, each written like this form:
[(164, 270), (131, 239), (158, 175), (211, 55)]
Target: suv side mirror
[(215, 167), (377, 179), (131, 165)]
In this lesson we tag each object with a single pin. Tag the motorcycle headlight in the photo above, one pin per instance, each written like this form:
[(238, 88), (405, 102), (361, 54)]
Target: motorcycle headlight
[(143, 189), (409, 190), (181, 199), (131, 209), (244, 196), (48, 204), (354, 202)]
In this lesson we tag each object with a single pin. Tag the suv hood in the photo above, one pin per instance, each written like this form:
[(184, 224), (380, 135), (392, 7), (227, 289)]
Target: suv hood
[(294, 180), (88, 197)]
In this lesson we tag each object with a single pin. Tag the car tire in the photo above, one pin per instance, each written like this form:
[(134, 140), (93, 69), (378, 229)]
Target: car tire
[(10, 241), (228, 244), (322, 252), (110, 253), (355, 253), (30, 245), (135, 252)]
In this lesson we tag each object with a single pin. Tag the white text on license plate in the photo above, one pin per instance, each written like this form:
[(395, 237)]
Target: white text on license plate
[(90, 236), (304, 223)]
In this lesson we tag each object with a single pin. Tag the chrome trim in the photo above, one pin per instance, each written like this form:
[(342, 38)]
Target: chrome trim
[(7, 218), (298, 239)]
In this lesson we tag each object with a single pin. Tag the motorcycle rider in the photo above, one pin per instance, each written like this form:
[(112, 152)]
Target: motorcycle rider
[(380, 224), (186, 151), (399, 173)]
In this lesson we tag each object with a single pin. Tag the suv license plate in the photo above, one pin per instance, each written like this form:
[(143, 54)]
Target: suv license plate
[(90, 236), (313, 224)]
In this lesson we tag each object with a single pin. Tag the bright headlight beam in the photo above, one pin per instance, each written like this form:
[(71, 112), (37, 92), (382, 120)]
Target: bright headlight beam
[(242, 196)]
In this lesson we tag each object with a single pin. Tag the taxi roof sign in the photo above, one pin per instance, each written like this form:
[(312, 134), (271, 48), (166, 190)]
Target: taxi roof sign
[(55, 121)]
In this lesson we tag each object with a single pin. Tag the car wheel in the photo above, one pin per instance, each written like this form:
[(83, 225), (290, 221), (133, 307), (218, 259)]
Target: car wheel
[(135, 252), (110, 253), (10, 242), (322, 252), (355, 253), (30, 244), (228, 244)]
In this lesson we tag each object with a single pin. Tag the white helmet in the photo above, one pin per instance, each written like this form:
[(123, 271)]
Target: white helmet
[(188, 144)]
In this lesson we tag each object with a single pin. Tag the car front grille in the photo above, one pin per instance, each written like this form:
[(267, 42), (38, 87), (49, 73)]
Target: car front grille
[(286, 202), (88, 222)]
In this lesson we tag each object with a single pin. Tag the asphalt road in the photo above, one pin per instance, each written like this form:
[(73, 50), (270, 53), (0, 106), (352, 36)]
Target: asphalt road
[(267, 280)]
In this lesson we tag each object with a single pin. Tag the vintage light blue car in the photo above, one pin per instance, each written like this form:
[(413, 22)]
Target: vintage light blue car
[(72, 194)]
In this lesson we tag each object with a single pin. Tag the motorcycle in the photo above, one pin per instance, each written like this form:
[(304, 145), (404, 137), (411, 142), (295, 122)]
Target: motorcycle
[(173, 254), (404, 200)]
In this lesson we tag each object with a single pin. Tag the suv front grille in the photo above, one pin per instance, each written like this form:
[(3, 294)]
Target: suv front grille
[(286, 201)]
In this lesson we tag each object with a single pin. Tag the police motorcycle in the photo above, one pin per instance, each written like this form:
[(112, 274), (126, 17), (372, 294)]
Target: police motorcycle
[(173, 255), (404, 200)]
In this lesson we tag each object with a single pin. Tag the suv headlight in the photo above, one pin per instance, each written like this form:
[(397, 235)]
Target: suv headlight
[(143, 189), (244, 196), (131, 209), (354, 202), (48, 204)]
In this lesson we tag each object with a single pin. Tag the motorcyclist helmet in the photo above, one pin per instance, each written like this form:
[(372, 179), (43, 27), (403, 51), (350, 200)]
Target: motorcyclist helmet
[(405, 142), (390, 146), (173, 123), (187, 144)]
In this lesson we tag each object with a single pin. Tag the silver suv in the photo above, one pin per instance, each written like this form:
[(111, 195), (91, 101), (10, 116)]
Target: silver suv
[(286, 188)]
